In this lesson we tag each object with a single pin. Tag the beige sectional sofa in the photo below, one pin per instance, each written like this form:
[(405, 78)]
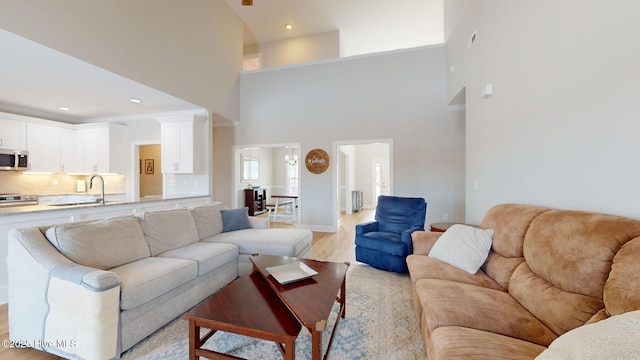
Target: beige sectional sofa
[(94, 289), (556, 284)]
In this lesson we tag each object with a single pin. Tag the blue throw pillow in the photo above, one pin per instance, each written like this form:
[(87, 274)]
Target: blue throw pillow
[(236, 219)]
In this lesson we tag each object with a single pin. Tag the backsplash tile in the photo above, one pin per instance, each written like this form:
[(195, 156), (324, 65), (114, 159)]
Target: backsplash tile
[(12, 182)]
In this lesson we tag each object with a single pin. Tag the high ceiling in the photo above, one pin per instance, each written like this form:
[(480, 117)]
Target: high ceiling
[(39, 88), (366, 26)]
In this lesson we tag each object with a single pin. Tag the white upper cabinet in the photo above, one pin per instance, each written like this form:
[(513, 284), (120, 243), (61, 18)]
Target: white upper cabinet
[(182, 144), (101, 148), (69, 151), (13, 134), (43, 144)]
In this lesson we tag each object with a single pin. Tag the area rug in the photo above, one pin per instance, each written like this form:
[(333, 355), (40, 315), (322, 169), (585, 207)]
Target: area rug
[(380, 324)]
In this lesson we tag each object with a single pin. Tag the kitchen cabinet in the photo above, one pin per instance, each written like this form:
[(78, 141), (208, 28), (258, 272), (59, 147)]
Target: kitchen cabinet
[(13, 134), (43, 144), (182, 144), (69, 151), (101, 148)]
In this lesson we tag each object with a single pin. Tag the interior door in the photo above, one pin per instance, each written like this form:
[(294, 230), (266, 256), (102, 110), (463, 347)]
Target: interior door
[(381, 176)]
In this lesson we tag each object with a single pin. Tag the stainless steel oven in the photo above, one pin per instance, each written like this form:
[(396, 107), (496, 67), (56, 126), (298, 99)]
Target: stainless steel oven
[(18, 200), (14, 159)]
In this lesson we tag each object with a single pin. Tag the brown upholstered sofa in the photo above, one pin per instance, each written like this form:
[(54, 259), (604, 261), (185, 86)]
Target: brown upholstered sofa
[(548, 272)]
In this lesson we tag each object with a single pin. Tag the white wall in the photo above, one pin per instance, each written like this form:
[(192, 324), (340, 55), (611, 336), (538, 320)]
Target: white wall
[(561, 129), (298, 50), (398, 95), (191, 49)]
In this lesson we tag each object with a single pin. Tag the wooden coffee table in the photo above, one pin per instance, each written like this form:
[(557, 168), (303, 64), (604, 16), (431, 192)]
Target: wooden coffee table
[(248, 306), (257, 305), (310, 300)]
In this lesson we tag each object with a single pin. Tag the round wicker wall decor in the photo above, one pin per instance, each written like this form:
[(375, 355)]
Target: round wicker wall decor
[(317, 161)]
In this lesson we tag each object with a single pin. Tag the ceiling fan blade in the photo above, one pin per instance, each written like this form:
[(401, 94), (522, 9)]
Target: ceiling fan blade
[(247, 2)]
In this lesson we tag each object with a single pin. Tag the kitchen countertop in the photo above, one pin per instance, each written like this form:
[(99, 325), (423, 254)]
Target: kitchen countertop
[(20, 210)]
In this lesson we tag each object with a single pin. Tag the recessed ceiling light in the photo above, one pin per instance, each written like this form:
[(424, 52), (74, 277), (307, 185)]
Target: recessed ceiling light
[(288, 26), (135, 101), (64, 108)]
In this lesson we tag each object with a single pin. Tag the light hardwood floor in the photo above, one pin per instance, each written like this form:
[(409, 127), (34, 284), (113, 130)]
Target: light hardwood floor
[(338, 247)]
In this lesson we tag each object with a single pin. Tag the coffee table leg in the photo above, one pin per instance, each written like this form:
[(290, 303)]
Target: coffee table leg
[(194, 331), (316, 344), (290, 350), (343, 297)]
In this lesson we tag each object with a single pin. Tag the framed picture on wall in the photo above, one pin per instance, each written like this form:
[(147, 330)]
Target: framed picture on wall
[(148, 166)]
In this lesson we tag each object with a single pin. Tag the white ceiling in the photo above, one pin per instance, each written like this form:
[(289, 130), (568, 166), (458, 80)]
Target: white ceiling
[(36, 80), (366, 26)]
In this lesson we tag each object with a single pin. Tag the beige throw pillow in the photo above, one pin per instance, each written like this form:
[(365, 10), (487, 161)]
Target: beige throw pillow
[(463, 246)]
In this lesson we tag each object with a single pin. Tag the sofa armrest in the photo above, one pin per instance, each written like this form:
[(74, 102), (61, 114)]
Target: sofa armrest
[(84, 311), (258, 222), (54, 299), (423, 241), (364, 228), (90, 278)]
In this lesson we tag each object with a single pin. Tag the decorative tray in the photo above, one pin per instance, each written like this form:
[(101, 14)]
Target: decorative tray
[(291, 272)]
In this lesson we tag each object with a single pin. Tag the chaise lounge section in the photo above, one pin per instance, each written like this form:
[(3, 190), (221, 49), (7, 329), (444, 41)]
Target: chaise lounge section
[(550, 276), (94, 289)]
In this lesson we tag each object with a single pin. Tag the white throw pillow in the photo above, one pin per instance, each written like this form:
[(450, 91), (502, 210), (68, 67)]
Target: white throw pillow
[(463, 246), (612, 338)]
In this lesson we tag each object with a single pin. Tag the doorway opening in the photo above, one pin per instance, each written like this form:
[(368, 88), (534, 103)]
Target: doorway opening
[(150, 172), (274, 169), (364, 171), (147, 181)]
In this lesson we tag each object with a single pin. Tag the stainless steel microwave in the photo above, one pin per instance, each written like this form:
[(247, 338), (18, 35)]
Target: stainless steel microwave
[(14, 159)]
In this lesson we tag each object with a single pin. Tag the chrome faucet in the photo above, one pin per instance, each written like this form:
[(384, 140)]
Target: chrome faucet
[(102, 189)]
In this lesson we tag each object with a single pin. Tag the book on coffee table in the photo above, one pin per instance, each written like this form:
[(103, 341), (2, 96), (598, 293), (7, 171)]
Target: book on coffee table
[(288, 273)]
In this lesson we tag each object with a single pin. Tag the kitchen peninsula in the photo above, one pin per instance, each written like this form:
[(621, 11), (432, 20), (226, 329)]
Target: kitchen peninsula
[(38, 215)]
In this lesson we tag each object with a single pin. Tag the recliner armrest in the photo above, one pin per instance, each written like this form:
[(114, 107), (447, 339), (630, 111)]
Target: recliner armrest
[(405, 237), (364, 228)]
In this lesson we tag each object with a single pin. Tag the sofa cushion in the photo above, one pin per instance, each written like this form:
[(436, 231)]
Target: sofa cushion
[(621, 294), (148, 278), (612, 338), (510, 223), (424, 267), (208, 219), (101, 244), (235, 219), (209, 256), (569, 255), (465, 247), (166, 230), (454, 342), (448, 303), (284, 242)]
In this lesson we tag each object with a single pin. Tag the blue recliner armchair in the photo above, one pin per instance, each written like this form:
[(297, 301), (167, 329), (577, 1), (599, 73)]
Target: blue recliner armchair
[(386, 242)]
